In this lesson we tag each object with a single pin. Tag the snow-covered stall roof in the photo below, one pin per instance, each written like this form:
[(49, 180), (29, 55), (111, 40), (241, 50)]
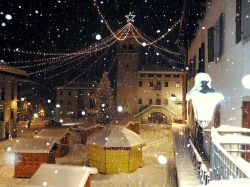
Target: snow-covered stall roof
[(115, 136), (53, 175), (53, 134), (29, 145)]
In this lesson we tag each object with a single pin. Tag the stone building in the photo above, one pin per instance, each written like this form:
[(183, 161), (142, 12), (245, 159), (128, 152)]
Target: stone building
[(152, 93), (221, 48), (9, 77)]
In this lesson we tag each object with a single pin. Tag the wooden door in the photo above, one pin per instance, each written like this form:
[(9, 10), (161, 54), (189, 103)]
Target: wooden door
[(246, 114), (246, 124), (217, 116)]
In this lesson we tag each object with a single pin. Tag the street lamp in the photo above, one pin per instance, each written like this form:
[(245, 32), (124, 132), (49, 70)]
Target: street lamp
[(204, 99)]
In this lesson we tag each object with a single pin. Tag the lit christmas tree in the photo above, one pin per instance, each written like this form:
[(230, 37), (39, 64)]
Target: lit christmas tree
[(105, 101)]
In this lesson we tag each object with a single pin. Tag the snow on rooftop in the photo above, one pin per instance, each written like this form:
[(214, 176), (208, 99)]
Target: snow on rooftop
[(55, 134), (29, 145), (228, 128), (12, 70), (228, 183), (115, 136), (53, 175), (229, 138)]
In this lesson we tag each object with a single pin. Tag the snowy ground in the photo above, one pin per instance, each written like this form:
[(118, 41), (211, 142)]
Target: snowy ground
[(158, 140)]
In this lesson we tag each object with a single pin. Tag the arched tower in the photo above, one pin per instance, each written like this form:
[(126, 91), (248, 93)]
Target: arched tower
[(127, 65)]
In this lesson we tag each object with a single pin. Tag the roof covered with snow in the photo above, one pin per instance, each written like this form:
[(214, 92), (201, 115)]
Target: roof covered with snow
[(229, 128), (53, 175), (30, 145), (12, 70), (53, 134), (228, 183), (115, 136)]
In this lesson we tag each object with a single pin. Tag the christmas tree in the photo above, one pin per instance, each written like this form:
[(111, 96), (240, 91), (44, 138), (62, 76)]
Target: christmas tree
[(105, 101)]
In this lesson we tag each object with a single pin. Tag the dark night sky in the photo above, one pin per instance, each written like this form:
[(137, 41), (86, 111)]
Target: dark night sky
[(69, 25)]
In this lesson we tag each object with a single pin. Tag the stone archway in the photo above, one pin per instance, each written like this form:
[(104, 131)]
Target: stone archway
[(157, 117)]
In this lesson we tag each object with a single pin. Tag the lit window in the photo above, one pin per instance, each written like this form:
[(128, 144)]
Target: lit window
[(177, 84)]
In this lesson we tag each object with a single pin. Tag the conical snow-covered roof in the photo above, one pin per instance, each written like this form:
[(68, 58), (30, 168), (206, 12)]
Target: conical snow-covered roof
[(115, 136)]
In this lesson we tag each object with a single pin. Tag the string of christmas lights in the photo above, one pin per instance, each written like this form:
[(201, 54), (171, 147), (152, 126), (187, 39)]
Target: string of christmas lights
[(150, 43), (77, 65)]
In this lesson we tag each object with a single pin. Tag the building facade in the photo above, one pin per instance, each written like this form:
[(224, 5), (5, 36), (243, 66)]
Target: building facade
[(221, 48), (152, 93), (9, 77), (75, 101)]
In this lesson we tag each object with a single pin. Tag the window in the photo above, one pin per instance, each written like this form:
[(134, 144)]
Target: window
[(238, 21), (192, 68), (131, 46), (11, 114), (151, 83), (61, 102), (3, 91), (158, 102), (158, 75), (69, 93), (202, 58), (1, 116), (167, 75), (150, 101), (69, 103), (61, 92), (216, 40), (166, 84), (246, 19), (140, 83), (158, 83), (219, 38), (210, 44), (150, 75), (124, 47), (127, 66), (142, 75), (139, 101), (177, 84), (176, 76), (166, 102), (12, 90), (92, 103)]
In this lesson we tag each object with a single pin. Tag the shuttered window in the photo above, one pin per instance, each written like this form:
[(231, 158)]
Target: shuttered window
[(238, 21), (216, 40), (210, 44), (202, 58), (246, 18)]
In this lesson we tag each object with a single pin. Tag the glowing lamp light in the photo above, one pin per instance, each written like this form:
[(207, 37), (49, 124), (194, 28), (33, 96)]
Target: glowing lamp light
[(35, 115), (246, 81), (119, 108), (162, 159), (22, 99), (83, 113), (57, 106), (61, 120), (204, 99), (143, 44), (49, 101), (98, 37)]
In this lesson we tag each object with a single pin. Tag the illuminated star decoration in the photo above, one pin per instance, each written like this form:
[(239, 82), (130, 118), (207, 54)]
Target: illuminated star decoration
[(130, 17)]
